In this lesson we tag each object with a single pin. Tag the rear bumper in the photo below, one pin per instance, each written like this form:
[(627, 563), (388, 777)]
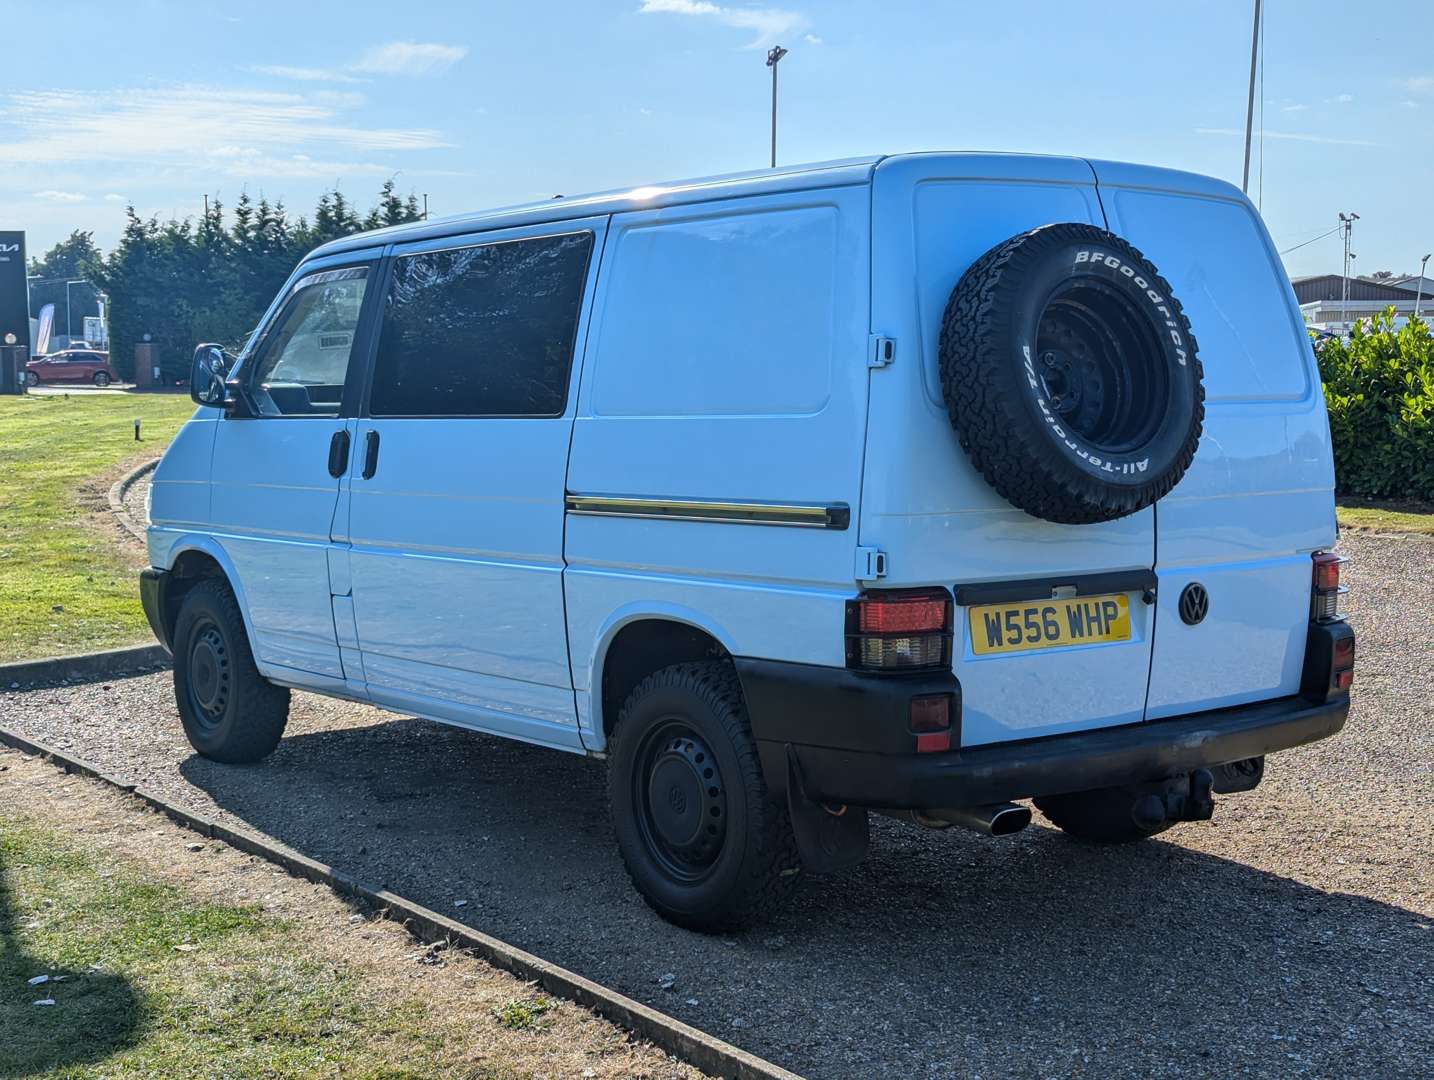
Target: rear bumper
[(866, 776), (152, 586)]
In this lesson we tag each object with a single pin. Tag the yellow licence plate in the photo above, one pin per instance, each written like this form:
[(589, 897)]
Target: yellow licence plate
[(1042, 624)]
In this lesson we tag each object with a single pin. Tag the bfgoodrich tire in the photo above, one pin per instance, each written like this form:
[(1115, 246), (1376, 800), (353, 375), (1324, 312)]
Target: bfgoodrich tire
[(1071, 375), (230, 712), (704, 841)]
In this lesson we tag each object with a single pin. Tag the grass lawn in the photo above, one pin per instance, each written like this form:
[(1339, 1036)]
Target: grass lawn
[(168, 956), (1386, 516), (65, 585)]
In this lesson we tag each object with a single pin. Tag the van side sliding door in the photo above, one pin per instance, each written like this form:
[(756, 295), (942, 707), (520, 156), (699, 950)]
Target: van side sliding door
[(456, 494)]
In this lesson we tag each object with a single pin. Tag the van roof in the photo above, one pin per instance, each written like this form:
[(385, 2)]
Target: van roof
[(646, 197), (819, 174)]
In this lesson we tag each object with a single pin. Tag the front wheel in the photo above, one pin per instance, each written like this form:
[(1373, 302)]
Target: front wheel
[(230, 712), (31, 379), (704, 841)]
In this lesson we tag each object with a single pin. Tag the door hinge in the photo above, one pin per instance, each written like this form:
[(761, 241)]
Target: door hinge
[(882, 351), (870, 563)]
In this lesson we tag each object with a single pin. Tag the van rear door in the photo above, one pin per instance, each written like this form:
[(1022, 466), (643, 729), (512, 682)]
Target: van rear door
[(927, 508), (1258, 498)]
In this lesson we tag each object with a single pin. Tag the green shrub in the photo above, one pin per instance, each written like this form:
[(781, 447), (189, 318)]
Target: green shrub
[(1379, 386)]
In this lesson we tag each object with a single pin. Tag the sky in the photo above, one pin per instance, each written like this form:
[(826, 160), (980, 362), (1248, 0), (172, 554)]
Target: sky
[(478, 104)]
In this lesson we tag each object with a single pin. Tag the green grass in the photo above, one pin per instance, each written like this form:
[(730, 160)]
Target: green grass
[(64, 585), (159, 984), (1389, 517)]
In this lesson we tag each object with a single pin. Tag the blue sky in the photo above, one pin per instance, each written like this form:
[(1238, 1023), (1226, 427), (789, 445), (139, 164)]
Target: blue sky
[(480, 104)]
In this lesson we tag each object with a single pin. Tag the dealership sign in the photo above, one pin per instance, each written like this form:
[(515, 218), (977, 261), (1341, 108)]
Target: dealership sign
[(14, 296)]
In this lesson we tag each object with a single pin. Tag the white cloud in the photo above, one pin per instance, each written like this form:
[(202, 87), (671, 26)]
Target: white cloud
[(768, 24), (1339, 99), (1410, 104), (184, 124), (409, 58), (1293, 136), (813, 39), (115, 197), (51, 195), (1420, 84), (303, 74), (1293, 108)]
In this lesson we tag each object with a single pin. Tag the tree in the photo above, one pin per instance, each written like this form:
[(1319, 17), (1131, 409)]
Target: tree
[(183, 282), (74, 257)]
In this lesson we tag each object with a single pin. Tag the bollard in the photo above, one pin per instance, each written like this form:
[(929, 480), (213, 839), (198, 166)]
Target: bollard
[(136, 430)]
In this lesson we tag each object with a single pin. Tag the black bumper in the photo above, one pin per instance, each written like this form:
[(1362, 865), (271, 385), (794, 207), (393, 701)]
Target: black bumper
[(153, 585), (842, 710)]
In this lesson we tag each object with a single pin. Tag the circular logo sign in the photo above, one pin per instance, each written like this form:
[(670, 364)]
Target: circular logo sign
[(1194, 603)]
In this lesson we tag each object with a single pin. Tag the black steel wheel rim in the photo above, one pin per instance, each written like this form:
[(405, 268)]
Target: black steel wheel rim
[(681, 801), (1101, 365), (209, 676)]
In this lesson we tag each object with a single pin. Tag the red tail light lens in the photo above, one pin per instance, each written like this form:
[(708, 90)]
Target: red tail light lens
[(899, 630), (1326, 570), (1325, 588)]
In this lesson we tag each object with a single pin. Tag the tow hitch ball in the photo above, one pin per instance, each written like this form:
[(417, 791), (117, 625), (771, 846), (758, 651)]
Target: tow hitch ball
[(1182, 798)]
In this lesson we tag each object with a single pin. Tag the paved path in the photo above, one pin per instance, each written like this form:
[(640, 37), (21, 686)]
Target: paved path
[(1292, 936)]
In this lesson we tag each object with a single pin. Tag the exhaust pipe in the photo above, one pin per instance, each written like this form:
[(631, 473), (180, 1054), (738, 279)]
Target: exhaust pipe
[(997, 819)]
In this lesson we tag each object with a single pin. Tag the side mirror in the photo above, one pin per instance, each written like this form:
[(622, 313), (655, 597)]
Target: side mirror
[(206, 376)]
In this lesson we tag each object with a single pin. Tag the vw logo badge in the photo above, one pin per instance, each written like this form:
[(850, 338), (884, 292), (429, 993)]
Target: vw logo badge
[(1194, 603)]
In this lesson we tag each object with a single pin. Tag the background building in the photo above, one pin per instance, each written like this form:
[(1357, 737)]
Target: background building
[(1325, 307)]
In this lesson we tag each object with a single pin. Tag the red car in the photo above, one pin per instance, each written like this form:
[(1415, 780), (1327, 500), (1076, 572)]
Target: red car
[(72, 365)]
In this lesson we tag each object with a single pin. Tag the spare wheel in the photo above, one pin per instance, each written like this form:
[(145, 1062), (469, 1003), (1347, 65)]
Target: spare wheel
[(1071, 375)]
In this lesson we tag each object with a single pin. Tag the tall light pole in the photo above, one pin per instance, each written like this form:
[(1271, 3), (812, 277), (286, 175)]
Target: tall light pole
[(774, 54), (1346, 226), (1418, 296), (1250, 105)]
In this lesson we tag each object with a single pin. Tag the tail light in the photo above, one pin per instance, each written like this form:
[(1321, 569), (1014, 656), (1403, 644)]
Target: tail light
[(1326, 589), (899, 630)]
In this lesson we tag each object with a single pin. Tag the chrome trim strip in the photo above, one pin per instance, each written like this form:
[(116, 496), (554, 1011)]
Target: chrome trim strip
[(802, 515)]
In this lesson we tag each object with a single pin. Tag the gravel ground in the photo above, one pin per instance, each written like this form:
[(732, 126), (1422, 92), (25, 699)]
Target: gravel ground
[(1294, 935)]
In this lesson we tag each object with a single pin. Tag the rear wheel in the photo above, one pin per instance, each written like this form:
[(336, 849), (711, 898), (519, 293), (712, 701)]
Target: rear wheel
[(31, 379), (230, 712), (101, 379), (704, 841), (1115, 815)]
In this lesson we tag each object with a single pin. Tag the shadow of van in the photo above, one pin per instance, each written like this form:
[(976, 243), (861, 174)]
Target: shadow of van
[(939, 940)]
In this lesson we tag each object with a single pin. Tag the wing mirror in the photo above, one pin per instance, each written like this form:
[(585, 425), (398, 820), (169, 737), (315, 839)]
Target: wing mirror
[(206, 376)]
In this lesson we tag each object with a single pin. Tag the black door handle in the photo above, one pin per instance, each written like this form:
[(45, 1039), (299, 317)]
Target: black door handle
[(370, 454), (339, 453)]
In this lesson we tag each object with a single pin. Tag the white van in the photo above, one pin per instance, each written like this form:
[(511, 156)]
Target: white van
[(915, 484)]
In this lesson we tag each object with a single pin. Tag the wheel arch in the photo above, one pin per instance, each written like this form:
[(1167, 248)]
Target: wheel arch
[(193, 558), (633, 643)]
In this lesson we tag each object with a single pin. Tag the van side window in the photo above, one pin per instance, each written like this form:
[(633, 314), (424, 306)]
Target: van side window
[(481, 331), (304, 357)]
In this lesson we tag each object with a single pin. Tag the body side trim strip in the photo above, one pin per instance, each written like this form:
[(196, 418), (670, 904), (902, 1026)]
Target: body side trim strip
[(807, 515)]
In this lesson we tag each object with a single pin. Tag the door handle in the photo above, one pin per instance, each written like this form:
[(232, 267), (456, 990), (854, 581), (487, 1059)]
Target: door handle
[(370, 454), (339, 453)]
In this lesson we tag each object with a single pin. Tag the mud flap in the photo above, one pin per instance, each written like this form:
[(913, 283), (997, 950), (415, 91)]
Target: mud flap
[(829, 840)]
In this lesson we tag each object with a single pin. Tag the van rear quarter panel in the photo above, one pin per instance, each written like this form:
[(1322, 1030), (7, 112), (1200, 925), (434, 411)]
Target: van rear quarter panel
[(726, 361), (1258, 498)]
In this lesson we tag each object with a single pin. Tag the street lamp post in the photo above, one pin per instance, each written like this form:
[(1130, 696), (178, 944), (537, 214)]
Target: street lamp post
[(1419, 295), (1346, 225), (1250, 103), (774, 54)]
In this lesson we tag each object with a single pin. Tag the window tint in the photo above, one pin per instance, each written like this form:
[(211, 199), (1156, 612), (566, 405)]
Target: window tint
[(304, 357), (481, 331)]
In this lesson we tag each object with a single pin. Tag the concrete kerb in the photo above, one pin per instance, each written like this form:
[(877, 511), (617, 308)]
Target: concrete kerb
[(699, 1049), (84, 667), (117, 494)]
